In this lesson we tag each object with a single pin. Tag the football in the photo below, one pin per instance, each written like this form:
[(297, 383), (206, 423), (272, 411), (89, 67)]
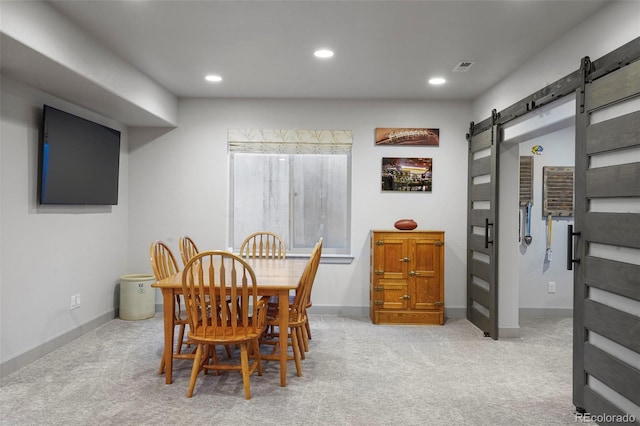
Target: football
[(405, 224)]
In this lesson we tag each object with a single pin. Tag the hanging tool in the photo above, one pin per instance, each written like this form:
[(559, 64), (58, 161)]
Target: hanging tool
[(520, 217), (549, 235), (527, 235)]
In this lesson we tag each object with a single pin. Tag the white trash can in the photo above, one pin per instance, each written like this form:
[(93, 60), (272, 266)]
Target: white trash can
[(137, 297)]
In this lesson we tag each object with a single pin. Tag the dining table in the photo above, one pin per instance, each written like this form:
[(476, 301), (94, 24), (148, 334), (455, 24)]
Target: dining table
[(274, 277)]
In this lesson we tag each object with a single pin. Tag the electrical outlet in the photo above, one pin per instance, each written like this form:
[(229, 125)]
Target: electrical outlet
[(552, 287), (75, 301)]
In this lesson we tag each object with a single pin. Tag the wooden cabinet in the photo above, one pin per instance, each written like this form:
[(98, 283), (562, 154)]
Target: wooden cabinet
[(407, 277)]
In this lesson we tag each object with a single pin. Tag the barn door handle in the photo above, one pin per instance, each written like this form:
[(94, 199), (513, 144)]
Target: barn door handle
[(486, 233), (570, 259)]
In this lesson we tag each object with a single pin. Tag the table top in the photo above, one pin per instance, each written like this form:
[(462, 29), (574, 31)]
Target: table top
[(273, 274)]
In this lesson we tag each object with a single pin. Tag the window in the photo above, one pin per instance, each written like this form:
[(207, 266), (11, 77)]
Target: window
[(295, 183)]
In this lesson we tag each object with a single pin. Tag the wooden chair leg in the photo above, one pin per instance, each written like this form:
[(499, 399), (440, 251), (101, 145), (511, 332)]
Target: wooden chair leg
[(180, 339), (194, 371), (161, 369), (244, 360), (307, 328), (304, 339), (178, 347), (299, 335), (210, 357), (256, 355), (206, 355), (296, 351), (214, 359)]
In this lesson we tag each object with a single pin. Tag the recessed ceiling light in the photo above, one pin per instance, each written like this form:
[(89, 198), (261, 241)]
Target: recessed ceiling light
[(323, 53), (213, 78), (436, 81)]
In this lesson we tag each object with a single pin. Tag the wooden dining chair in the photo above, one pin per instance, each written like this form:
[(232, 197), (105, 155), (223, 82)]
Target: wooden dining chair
[(263, 245), (297, 316), (307, 328), (164, 265), (214, 275), (188, 248)]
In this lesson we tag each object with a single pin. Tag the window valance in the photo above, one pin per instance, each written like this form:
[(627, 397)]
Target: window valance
[(287, 141)]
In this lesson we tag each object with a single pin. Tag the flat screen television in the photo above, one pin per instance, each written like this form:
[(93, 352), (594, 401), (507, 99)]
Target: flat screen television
[(79, 160)]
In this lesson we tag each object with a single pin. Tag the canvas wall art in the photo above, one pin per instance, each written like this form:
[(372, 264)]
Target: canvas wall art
[(406, 174), (407, 136)]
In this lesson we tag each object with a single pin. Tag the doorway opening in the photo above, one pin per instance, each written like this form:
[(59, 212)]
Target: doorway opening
[(533, 278)]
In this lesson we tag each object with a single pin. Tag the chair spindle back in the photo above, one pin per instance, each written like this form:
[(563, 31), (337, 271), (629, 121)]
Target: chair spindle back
[(263, 245), (188, 248), (216, 276)]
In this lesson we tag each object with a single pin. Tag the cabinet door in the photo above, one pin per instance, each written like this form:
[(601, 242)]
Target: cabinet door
[(426, 257), (390, 271), (391, 294)]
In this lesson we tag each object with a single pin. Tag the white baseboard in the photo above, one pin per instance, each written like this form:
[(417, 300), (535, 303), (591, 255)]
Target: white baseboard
[(346, 311), (363, 311), (32, 355), (508, 332), (514, 331), (453, 313), (546, 312)]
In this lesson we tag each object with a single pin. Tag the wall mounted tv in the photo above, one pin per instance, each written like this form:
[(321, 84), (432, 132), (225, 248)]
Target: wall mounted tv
[(79, 160)]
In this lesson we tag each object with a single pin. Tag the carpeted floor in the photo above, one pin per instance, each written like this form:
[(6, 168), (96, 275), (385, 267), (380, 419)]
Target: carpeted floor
[(356, 373)]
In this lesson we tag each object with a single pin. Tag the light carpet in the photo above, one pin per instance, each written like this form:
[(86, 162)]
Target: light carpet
[(356, 373)]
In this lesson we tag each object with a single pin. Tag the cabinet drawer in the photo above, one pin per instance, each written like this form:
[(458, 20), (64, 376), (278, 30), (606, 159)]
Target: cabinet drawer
[(408, 317)]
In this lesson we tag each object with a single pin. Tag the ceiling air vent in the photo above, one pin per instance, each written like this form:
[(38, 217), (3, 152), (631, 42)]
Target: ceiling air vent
[(463, 66)]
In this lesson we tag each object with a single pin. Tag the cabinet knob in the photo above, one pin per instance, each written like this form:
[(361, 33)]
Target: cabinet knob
[(414, 273), (405, 297), (405, 259)]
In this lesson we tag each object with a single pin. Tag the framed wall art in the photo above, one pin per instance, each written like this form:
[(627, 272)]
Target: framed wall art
[(557, 191), (406, 174), (407, 136)]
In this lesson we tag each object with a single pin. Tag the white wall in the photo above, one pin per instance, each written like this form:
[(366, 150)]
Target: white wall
[(48, 253), (179, 182), (611, 27)]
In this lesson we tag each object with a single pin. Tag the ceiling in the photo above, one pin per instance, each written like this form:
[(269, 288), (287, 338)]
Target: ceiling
[(383, 49)]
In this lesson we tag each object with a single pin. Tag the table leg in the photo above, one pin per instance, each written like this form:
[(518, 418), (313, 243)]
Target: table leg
[(168, 308), (283, 313)]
